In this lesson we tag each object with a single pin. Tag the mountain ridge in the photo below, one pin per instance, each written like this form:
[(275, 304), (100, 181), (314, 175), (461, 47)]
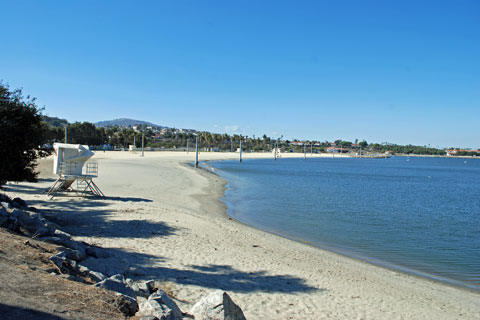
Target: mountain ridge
[(125, 122)]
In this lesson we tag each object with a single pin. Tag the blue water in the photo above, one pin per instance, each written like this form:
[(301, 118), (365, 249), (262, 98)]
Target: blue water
[(419, 215)]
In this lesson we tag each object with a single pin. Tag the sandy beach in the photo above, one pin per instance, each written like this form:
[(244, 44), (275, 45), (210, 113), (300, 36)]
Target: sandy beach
[(165, 217)]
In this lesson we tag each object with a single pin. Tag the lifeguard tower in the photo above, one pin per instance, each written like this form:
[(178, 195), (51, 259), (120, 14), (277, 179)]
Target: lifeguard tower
[(74, 173)]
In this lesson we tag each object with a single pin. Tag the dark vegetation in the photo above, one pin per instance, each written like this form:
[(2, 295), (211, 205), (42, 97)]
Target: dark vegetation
[(22, 133)]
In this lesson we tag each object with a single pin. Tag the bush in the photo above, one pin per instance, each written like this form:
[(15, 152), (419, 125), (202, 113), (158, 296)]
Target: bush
[(21, 134)]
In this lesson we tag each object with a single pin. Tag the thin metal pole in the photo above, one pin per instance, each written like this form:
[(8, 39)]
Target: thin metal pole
[(311, 148), (304, 151), (188, 140), (134, 140), (275, 152), (143, 142), (240, 150), (65, 134), (196, 152)]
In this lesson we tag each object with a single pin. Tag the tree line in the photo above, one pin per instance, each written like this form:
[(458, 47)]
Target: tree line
[(24, 130)]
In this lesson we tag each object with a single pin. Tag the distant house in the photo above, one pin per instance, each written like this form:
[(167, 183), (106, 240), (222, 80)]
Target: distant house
[(337, 150), (297, 143), (454, 152)]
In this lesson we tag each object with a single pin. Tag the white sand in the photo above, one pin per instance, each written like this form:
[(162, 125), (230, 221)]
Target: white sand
[(166, 219)]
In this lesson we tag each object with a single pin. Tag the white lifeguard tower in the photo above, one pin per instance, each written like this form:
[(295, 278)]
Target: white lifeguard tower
[(74, 173)]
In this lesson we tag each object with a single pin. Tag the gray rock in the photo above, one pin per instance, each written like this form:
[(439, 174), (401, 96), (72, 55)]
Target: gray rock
[(129, 282), (58, 258), (162, 298), (152, 308), (82, 269), (215, 306), (143, 289), (19, 203), (65, 241), (32, 222), (96, 276), (116, 283), (62, 234), (127, 305), (65, 265), (156, 306), (72, 254), (93, 275), (107, 266), (150, 285)]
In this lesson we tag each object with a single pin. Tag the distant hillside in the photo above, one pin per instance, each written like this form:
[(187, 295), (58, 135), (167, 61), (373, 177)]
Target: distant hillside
[(125, 122), (54, 121)]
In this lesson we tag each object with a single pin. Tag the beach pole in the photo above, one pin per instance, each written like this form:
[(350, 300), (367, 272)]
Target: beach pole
[(275, 152), (134, 145), (304, 151), (240, 150), (143, 142), (188, 140), (196, 152), (311, 148)]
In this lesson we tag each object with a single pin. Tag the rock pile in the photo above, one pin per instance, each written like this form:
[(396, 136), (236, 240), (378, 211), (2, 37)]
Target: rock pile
[(79, 261)]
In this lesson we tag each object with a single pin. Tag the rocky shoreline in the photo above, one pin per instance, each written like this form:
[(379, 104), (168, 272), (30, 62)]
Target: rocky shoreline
[(98, 267)]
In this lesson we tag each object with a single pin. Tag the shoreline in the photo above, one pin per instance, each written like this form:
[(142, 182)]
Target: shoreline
[(355, 257), (167, 220)]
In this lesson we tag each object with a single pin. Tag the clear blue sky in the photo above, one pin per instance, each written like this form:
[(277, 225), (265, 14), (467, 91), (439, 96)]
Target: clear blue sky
[(385, 71)]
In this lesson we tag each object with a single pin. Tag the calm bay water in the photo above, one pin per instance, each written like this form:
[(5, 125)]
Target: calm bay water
[(419, 215)]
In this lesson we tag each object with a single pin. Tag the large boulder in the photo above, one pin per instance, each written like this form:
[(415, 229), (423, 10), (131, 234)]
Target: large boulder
[(19, 203), (31, 222), (127, 305), (160, 306), (63, 239), (93, 275), (126, 296), (72, 254), (142, 288), (64, 265), (116, 283), (217, 305), (107, 266)]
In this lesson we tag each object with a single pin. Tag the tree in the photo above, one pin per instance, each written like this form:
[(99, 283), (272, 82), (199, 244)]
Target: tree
[(21, 134), (84, 133), (363, 144)]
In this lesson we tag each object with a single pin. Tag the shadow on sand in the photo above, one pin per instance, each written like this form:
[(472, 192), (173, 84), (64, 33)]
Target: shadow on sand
[(91, 218)]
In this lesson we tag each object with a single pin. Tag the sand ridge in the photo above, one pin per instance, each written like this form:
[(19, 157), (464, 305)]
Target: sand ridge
[(166, 219)]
